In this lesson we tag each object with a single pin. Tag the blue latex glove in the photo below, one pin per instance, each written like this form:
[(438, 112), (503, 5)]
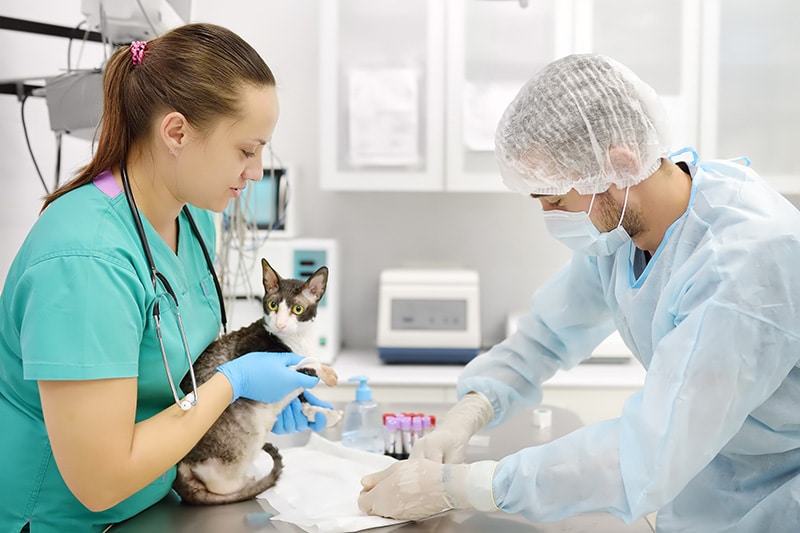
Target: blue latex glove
[(292, 419), (265, 376)]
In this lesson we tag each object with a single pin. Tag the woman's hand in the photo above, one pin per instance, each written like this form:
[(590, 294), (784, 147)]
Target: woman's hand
[(266, 377), (292, 419)]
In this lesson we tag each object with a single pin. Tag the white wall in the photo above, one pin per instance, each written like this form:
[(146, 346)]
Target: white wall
[(500, 235), (24, 56)]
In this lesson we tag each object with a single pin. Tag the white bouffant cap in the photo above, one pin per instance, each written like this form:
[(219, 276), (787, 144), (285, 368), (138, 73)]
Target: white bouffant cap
[(584, 122)]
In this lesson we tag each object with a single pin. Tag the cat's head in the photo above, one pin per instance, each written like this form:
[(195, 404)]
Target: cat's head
[(290, 305)]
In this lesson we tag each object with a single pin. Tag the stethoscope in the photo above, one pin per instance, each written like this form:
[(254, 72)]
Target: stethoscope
[(191, 399)]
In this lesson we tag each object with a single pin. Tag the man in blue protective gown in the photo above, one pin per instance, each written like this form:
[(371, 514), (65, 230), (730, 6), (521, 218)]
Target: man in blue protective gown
[(696, 265)]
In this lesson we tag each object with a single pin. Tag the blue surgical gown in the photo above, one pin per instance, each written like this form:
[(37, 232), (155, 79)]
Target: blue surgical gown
[(77, 305), (712, 440)]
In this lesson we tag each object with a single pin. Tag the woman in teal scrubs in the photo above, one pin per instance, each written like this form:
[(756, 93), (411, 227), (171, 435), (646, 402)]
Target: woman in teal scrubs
[(91, 428)]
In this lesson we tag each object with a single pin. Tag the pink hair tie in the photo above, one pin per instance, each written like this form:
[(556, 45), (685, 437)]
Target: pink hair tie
[(137, 52)]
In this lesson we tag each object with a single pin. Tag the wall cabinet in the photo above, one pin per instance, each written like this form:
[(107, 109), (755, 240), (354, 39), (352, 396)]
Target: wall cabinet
[(411, 91), (659, 41), (381, 95), (493, 48), (750, 80)]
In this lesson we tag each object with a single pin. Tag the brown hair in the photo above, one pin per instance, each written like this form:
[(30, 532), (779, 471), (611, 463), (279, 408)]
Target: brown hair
[(196, 69)]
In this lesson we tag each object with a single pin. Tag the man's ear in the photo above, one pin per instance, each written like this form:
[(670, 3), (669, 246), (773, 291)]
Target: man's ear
[(174, 131), (623, 161)]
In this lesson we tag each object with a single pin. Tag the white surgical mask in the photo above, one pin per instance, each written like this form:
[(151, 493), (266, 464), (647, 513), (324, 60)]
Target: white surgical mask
[(577, 231)]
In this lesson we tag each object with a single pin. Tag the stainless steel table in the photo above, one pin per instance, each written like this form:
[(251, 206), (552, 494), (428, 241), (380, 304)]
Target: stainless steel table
[(169, 516)]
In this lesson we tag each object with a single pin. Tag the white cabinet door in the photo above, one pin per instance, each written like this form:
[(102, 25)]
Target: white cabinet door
[(493, 48), (659, 41), (751, 83), (381, 91)]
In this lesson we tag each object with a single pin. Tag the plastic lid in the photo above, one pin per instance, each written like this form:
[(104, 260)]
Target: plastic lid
[(363, 392)]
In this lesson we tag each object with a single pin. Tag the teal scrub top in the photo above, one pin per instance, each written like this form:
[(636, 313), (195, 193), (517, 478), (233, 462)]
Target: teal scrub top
[(78, 305)]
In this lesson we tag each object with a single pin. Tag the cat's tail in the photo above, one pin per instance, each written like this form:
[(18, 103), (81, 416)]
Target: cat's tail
[(193, 492)]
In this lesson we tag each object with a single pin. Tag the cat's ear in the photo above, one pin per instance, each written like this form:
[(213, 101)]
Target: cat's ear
[(314, 288), (271, 277)]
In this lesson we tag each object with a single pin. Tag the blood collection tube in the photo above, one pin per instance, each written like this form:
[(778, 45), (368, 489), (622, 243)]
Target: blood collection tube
[(426, 425), (416, 429), (405, 432), (392, 440)]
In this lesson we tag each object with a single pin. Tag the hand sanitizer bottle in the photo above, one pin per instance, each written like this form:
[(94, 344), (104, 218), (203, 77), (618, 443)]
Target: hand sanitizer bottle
[(363, 422)]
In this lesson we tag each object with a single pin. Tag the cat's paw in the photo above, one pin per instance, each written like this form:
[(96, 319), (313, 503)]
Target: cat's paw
[(332, 416), (328, 375), (312, 367)]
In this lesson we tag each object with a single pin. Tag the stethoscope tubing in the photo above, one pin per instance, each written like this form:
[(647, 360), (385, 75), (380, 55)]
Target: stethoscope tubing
[(155, 276)]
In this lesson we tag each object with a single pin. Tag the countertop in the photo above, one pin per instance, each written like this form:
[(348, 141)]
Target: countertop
[(169, 516), (348, 363)]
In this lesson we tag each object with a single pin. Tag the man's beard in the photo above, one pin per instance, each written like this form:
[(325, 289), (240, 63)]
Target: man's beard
[(611, 211)]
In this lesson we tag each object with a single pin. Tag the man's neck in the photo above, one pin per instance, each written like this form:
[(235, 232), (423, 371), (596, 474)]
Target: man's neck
[(663, 198)]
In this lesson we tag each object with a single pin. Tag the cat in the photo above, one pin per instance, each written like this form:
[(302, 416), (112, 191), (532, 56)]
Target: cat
[(215, 470)]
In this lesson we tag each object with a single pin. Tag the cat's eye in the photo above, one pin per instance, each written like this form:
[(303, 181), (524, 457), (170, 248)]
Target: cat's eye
[(272, 305), (298, 309)]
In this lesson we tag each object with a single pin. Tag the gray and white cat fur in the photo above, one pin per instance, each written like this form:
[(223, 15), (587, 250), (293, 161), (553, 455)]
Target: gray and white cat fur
[(215, 471)]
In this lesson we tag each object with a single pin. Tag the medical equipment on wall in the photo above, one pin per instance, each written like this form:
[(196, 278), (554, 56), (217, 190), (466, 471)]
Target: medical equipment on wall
[(267, 205), (74, 97), (191, 399), (265, 210), (291, 258), (123, 21), (428, 316), (75, 102)]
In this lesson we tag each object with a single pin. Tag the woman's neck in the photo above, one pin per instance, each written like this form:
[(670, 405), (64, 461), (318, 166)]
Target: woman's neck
[(154, 199)]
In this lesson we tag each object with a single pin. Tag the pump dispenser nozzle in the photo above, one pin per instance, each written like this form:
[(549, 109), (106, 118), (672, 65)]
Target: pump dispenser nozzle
[(363, 392)]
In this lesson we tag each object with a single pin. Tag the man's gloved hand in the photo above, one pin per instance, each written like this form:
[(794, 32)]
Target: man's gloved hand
[(292, 419), (418, 488), (448, 442), (266, 377)]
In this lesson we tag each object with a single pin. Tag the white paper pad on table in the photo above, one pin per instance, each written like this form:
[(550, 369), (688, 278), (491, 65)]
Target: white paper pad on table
[(318, 489)]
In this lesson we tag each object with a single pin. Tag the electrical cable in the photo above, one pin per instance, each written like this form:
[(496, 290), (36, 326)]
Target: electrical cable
[(104, 32), (241, 239), (57, 177), (149, 22), (83, 43), (28, 142)]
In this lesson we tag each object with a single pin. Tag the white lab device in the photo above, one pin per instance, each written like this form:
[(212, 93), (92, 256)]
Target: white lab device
[(428, 316), (291, 258), (611, 350)]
